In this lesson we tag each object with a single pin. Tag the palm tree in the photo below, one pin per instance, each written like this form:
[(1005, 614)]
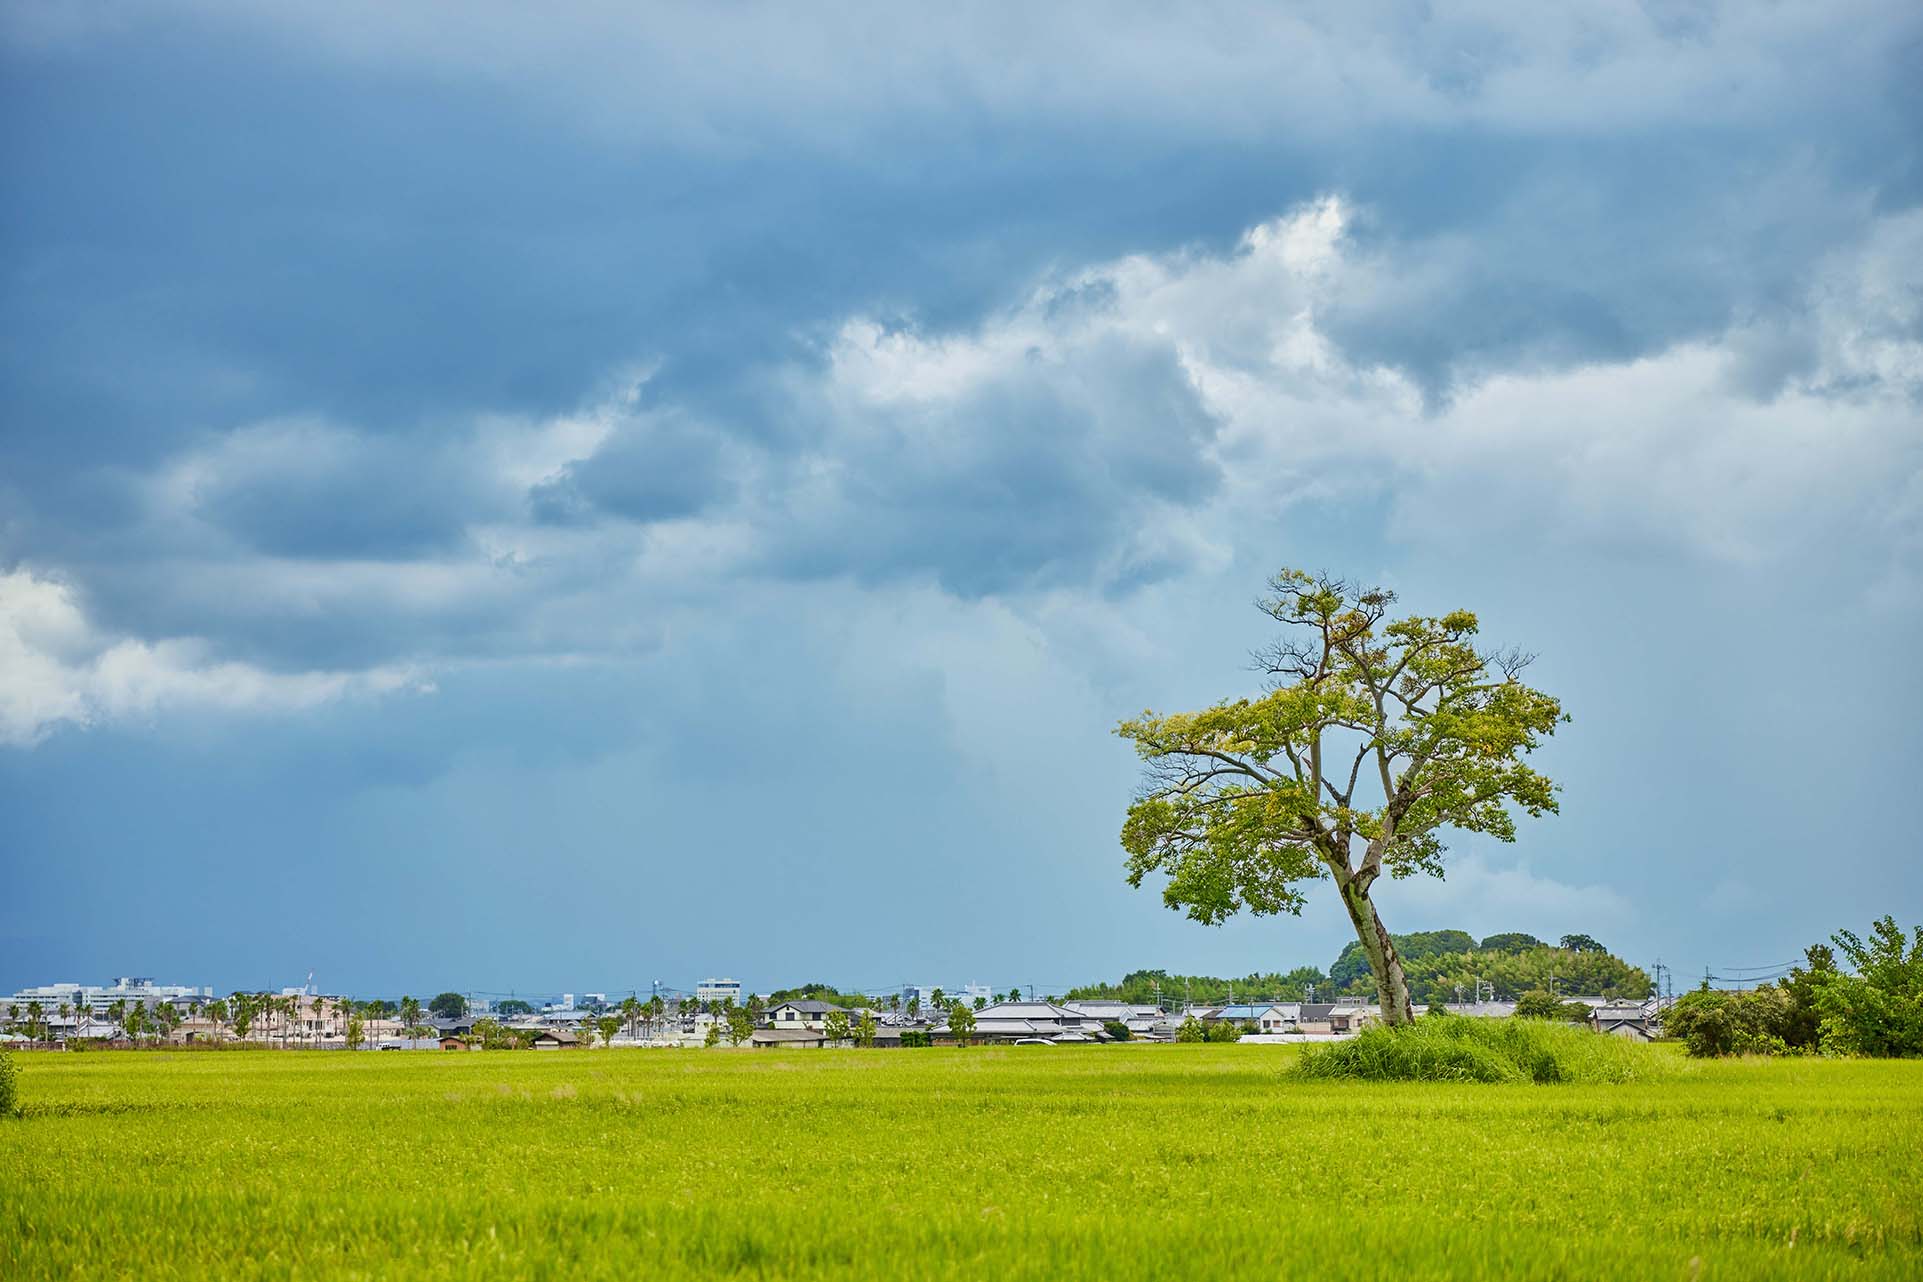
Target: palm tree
[(410, 1014), (243, 1015)]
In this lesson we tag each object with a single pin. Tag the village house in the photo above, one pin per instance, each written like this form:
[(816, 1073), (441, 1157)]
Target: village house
[(1263, 1017), (803, 1013), (1015, 1021), (1352, 1019), (1629, 1021), (1315, 1018)]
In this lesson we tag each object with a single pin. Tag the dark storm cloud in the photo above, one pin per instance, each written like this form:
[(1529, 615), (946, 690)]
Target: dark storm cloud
[(652, 469), (1038, 475)]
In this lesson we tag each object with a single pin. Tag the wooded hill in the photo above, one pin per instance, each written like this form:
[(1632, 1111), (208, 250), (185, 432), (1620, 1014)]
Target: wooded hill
[(1437, 961)]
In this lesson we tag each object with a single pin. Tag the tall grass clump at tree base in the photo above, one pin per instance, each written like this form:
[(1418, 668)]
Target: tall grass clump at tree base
[(1456, 1048)]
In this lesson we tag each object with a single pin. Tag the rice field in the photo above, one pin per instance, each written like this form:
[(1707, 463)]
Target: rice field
[(1108, 1162)]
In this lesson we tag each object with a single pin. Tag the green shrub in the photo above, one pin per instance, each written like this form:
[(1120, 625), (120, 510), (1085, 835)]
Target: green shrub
[(9, 1085), (1878, 1010), (1538, 1004), (1711, 1023), (1456, 1048)]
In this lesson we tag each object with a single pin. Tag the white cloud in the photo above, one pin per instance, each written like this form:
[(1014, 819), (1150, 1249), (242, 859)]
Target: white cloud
[(1668, 450), (1485, 897), (55, 669), (1129, 422)]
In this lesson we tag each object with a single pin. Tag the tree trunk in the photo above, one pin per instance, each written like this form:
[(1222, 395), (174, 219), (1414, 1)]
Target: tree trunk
[(1392, 986)]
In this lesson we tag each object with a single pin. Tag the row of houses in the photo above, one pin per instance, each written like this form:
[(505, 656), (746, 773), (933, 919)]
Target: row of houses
[(322, 1022), (1638, 1021)]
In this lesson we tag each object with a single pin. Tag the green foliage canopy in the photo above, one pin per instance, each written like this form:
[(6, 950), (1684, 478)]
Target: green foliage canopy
[(1148, 987), (1514, 941)]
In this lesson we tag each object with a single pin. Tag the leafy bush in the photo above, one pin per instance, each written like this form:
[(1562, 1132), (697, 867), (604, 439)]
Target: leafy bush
[(9, 1085), (1538, 1004), (1223, 1031), (1876, 1012), (1115, 1028), (1710, 1023), (1456, 1048), (1191, 1031)]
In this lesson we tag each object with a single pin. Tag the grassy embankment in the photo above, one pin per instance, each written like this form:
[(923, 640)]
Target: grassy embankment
[(1106, 1162)]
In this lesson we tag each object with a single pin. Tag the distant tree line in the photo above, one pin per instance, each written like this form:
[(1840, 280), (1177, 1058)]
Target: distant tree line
[(1438, 963)]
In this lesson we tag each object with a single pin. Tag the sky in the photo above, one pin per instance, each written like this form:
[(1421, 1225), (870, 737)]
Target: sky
[(555, 501)]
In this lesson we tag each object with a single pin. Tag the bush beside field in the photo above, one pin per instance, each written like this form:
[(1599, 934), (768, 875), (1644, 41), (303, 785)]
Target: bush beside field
[(1454, 1048)]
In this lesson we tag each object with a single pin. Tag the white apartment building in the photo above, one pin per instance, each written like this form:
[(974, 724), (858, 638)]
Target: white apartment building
[(966, 993), (98, 997), (718, 990)]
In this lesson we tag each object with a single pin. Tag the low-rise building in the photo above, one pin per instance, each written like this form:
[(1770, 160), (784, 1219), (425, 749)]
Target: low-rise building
[(1012, 1021), (1262, 1017), (803, 1013), (1631, 1021)]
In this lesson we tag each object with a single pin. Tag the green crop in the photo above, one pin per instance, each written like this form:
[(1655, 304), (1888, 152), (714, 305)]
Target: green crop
[(1454, 1048), (1105, 1162)]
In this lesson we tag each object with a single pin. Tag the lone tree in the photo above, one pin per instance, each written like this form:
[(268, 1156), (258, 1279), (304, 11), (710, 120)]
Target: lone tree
[(1372, 739)]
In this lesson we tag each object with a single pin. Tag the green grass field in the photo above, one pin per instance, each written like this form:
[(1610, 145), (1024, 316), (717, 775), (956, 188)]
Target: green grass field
[(1102, 1162)]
